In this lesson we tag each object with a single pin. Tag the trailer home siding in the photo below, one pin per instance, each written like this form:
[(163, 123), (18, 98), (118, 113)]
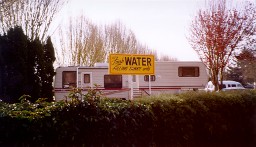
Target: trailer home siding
[(168, 80), (96, 81), (170, 77), (166, 74)]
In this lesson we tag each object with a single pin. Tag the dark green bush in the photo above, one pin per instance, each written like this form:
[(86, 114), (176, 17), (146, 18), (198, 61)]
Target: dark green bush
[(194, 118)]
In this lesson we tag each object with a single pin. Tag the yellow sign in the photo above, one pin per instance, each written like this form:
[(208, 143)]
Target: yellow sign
[(132, 64)]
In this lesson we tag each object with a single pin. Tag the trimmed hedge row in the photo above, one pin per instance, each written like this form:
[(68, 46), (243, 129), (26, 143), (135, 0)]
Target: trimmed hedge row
[(188, 119)]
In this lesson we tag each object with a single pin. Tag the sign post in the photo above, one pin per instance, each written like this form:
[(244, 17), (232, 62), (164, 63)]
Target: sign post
[(132, 64), (149, 84)]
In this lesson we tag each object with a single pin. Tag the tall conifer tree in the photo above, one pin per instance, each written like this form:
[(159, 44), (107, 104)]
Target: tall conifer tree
[(26, 67), (48, 69)]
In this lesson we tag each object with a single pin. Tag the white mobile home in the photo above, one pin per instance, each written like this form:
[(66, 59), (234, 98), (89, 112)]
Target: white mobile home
[(169, 77)]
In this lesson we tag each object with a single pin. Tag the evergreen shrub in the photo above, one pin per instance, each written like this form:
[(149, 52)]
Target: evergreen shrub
[(185, 119)]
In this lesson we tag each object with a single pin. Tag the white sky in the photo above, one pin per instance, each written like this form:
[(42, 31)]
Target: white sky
[(162, 25)]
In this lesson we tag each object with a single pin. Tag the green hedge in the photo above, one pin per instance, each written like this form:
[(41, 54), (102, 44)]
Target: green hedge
[(188, 119)]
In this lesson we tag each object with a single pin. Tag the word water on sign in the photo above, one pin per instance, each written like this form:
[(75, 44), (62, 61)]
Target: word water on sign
[(131, 64)]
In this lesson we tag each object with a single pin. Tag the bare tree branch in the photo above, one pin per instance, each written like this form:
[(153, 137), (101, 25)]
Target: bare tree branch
[(84, 43), (34, 16)]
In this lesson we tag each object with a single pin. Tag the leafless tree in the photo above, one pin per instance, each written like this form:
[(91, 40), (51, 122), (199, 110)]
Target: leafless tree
[(80, 42), (119, 39), (84, 43), (167, 58), (34, 16), (218, 31)]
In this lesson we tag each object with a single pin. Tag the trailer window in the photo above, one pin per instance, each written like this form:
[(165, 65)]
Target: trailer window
[(152, 78), (68, 79), (86, 78), (112, 81), (133, 78), (188, 71)]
